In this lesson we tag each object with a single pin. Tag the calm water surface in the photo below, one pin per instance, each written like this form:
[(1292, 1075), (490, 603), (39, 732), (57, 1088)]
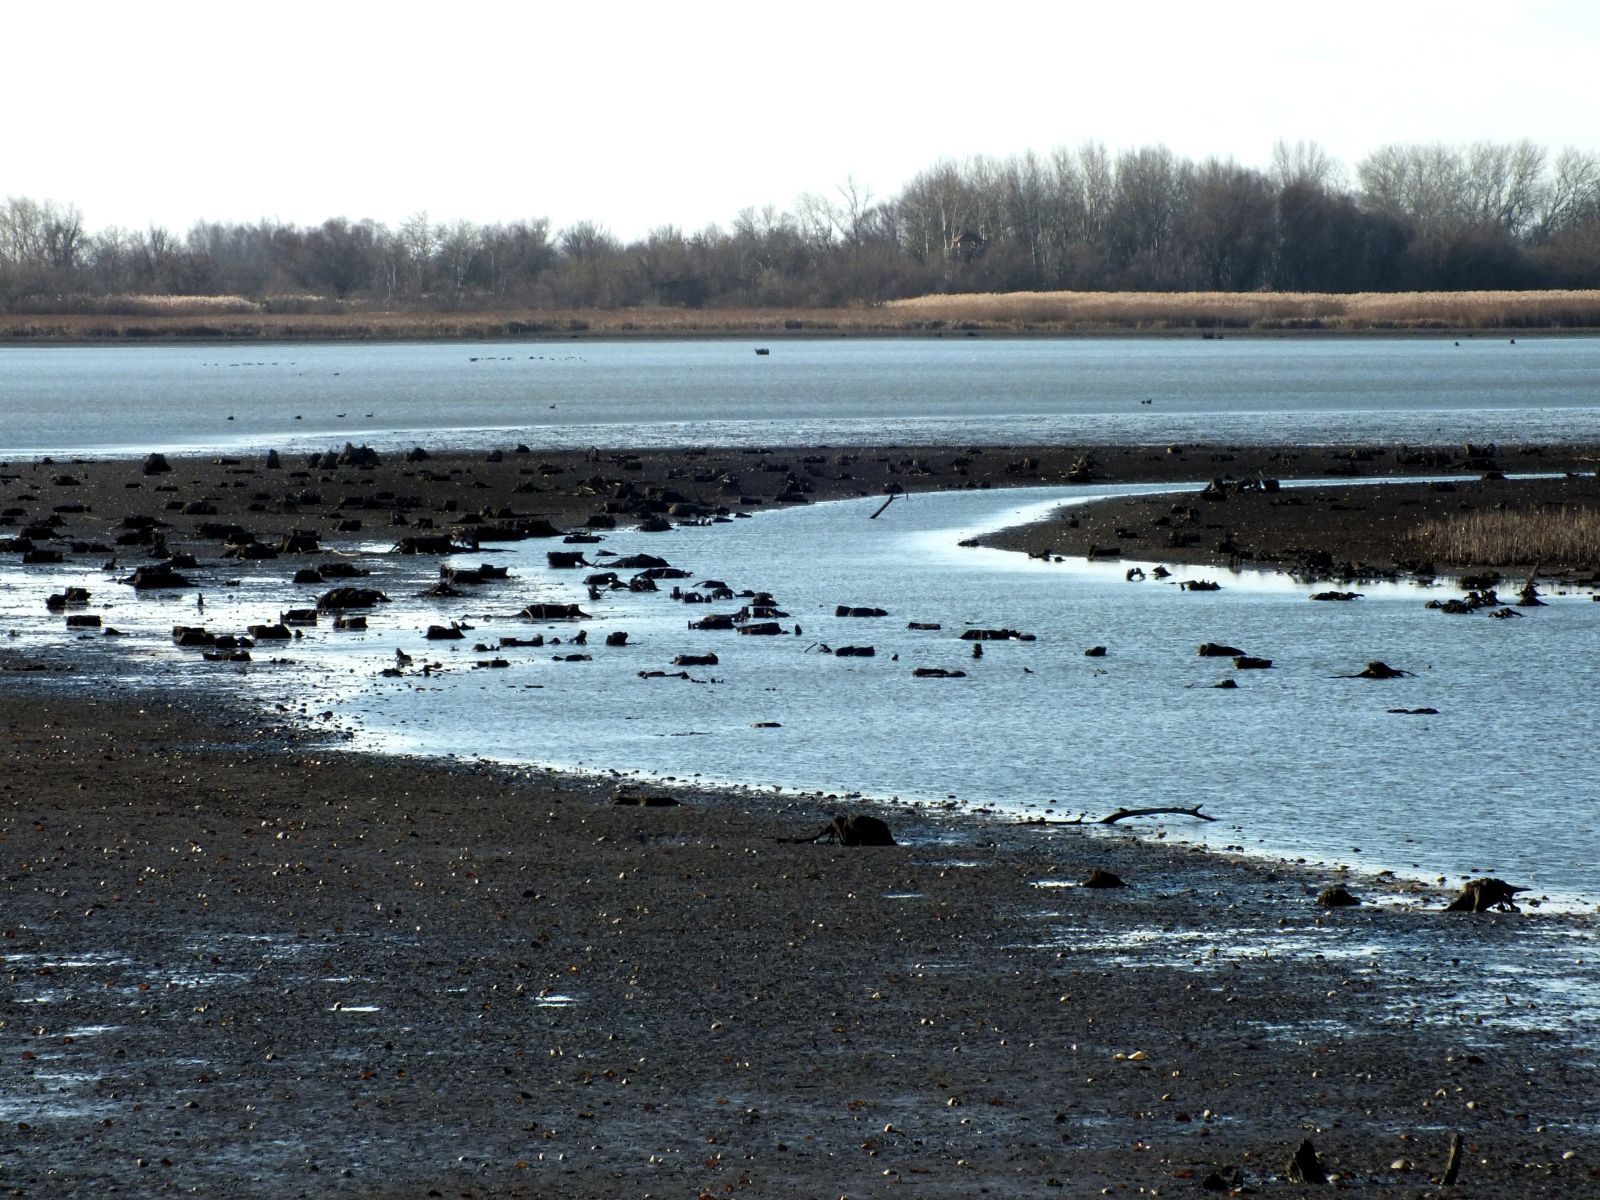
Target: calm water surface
[(107, 400)]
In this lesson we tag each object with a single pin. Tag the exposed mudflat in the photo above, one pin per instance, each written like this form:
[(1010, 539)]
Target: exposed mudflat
[(239, 962), (83, 508), (235, 964)]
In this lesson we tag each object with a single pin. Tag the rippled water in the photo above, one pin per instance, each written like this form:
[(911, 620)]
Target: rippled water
[(1295, 761), (133, 399)]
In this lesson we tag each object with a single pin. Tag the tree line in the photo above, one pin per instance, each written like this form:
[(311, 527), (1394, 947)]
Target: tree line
[(1410, 217)]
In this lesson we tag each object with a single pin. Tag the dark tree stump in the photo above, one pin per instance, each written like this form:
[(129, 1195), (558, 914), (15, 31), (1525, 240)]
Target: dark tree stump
[(1305, 1166)]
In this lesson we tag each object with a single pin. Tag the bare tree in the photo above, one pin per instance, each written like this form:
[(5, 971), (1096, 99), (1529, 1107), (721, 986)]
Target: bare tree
[(1503, 184), (418, 240), (1305, 163), (1572, 195)]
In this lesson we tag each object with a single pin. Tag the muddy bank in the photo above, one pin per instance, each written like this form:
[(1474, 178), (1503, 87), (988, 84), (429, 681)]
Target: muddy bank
[(238, 961), (1342, 525)]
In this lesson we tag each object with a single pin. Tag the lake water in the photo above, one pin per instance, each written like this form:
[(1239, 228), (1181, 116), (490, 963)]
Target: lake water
[(111, 400), (1296, 761)]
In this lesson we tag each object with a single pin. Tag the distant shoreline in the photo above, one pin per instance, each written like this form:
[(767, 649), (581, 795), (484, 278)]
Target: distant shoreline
[(1207, 315)]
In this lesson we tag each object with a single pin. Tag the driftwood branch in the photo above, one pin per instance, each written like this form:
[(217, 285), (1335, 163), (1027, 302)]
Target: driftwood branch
[(883, 506), (1123, 814), (1452, 1167)]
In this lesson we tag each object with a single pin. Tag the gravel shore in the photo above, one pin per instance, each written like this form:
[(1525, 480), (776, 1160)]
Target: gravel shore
[(240, 961)]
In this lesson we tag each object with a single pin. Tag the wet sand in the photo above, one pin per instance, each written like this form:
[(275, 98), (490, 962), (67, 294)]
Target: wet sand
[(241, 961)]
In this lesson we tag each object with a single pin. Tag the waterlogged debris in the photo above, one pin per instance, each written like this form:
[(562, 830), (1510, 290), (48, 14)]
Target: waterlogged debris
[(1218, 650), (937, 673), (645, 800), (1476, 598), (158, 576), (1101, 878), (72, 596), (1122, 814), (1378, 669), (554, 612), (1305, 1166), (1337, 596), (340, 598), (859, 829), (431, 543), (1486, 895)]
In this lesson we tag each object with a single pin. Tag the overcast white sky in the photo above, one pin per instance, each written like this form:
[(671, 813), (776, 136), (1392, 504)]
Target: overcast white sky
[(642, 114)]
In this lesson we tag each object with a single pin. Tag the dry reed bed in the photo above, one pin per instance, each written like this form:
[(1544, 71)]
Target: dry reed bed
[(1564, 535), (1263, 310), (357, 322), (236, 318)]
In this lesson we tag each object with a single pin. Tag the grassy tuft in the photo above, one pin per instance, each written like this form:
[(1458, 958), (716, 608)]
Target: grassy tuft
[(1564, 536)]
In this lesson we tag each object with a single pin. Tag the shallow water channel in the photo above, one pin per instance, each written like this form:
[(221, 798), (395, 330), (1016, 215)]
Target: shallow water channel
[(1295, 761)]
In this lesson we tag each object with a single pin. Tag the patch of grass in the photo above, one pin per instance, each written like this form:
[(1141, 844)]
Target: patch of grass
[(1562, 536)]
